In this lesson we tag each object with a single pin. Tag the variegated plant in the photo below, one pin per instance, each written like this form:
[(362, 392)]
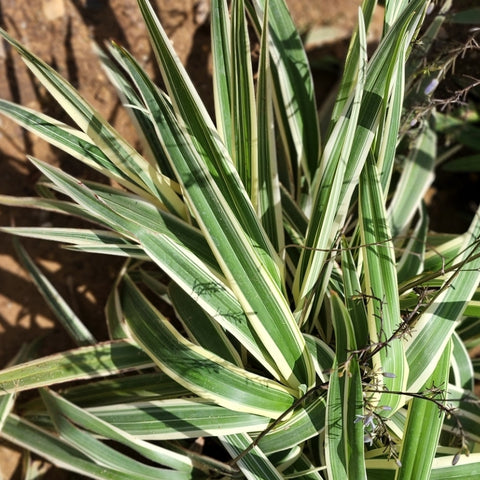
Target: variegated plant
[(319, 330)]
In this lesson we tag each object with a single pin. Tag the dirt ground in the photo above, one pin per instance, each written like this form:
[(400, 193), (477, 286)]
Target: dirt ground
[(61, 32)]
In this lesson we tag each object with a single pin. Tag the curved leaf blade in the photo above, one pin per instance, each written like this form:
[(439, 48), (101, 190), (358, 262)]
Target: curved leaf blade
[(101, 360), (200, 371)]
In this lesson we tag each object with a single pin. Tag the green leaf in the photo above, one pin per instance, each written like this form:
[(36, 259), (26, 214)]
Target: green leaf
[(381, 288), (411, 262), (294, 101), (124, 389), (393, 8), (222, 76), (267, 185), (462, 375), (305, 423), (444, 250), (303, 468), (202, 372), (327, 189), (72, 141), (466, 414), (424, 423), (349, 76), (100, 360), (470, 163), (7, 402), (227, 219), (202, 143), (209, 292), (346, 151), (254, 465), (322, 355), (63, 455), (244, 121), (435, 326), (49, 205), (177, 418), (135, 219), (416, 178), (66, 316), (466, 16), (465, 468), (385, 146), (353, 297), (79, 238), (344, 432), (63, 410), (110, 142), (201, 328), (99, 452), (142, 121)]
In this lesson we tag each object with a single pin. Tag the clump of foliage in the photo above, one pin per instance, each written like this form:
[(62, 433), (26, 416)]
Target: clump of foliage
[(316, 329)]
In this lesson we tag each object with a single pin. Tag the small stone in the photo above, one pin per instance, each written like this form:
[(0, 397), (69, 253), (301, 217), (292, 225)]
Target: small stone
[(201, 11), (53, 9)]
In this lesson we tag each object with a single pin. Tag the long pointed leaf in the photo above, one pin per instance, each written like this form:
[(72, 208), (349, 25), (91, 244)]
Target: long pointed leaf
[(111, 143), (437, 323), (67, 317), (95, 449), (416, 178), (294, 91), (184, 267), (340, 169), (320, 234), (254, 465), (268, 194), (232, 229), (201, 327), (104, 359), (200, 371), (222, 77), (381, 285), (244, 128), (62, 454), (207, 144), (344, 433), (177, 418), (424, 422), (70, 140)]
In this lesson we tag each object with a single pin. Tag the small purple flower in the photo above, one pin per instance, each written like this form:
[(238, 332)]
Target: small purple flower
[(369, 421), (431, 87), (367, 438), (358, 418)]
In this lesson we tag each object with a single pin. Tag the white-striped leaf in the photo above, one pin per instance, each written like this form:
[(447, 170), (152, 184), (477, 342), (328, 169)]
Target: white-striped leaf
[(199, 370), (100, 360), (435, 326), (381, 288)]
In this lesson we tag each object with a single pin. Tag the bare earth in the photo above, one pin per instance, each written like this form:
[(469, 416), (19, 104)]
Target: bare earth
[(61, 32)]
